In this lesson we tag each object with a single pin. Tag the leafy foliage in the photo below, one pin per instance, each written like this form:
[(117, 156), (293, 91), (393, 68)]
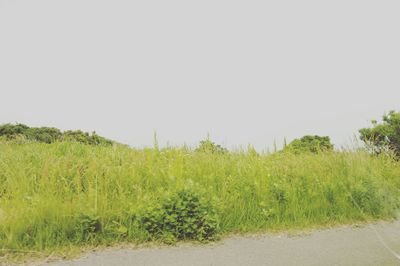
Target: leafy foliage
[(182, 216), (384, 136), (210, 147), (50, 135), (88, 225), (85, 138), (10, 130), (43, 134), (313, 144)]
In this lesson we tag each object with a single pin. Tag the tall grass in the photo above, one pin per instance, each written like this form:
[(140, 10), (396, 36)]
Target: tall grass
[(68, 194)]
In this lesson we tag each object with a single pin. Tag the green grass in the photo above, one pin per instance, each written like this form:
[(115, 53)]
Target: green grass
[(62, 195)]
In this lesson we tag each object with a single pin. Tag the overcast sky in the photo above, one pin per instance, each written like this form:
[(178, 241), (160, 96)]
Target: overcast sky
[(243, 71)]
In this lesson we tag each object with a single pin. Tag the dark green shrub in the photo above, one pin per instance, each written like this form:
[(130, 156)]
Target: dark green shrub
[(85, 138), (313, 144), (10, 131), (88, 225), (384, 136), (43, 134), (183, 215), (50, 135)]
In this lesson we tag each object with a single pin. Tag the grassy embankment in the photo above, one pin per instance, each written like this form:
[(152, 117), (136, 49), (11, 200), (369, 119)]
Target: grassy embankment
[(60, 195)]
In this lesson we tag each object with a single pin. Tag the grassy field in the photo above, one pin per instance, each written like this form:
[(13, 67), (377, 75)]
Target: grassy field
[(62, 195)]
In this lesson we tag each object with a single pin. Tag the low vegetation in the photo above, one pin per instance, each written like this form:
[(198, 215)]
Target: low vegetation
[(70, 194), (63, 194)]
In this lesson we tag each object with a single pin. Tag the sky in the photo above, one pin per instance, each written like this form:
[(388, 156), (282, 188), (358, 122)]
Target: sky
[(244, 72)]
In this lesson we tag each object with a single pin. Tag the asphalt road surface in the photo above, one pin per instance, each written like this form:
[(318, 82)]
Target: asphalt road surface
[(377, 244)]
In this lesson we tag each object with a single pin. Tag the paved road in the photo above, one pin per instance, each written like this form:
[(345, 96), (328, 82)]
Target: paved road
[(344, 246)]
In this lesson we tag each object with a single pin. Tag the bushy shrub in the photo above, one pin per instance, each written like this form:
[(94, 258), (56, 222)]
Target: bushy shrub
[(210, 147), (85, 138), (43, 134), (10, 131), (50, 135), (88, 225), (184, 215), (313, 144), (383, 136)]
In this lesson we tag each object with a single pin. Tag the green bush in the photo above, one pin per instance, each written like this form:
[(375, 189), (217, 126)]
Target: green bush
[(20, 132), (210, 147), (85, 138), (313, 144), (88, 225), (43, 134), (384, 136), (10, 131), (183, 216)]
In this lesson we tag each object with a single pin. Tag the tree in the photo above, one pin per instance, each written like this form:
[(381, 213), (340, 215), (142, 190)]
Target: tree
[(313, 144), (383, 136)]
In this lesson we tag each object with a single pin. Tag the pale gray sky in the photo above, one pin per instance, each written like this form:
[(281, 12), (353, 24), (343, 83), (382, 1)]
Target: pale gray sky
[(243, 71)]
